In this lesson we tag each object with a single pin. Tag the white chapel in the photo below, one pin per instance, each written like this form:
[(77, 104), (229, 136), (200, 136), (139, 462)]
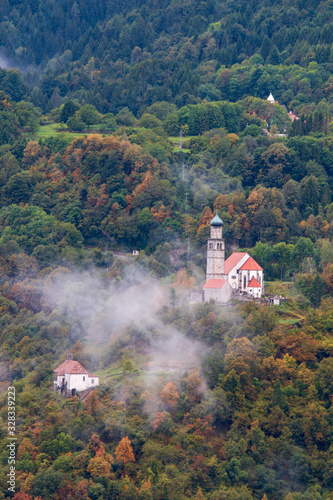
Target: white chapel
[(239, 273), (71, 377)]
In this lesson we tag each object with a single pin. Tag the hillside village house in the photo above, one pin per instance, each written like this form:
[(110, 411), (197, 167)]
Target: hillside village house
[(291, 115), (239, 273), (71, 377)]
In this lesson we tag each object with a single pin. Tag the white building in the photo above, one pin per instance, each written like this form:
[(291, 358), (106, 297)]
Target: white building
[(271, 99), (239, 273), (71, 377), (245, 274)]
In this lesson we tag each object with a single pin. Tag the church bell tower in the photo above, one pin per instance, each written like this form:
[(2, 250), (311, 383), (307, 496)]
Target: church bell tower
[(215, 251)]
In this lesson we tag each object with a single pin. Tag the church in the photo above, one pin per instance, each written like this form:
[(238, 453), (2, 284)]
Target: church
[(224, 278)]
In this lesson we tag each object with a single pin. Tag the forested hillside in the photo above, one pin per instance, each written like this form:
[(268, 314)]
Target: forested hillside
[(126, 126), (131, 54)]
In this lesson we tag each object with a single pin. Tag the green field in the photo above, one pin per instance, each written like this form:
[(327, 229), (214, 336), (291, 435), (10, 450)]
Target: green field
[(52, 129)]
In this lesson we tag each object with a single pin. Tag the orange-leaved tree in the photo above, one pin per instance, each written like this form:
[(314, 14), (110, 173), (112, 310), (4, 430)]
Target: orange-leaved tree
[(124, 451), (169, 395)]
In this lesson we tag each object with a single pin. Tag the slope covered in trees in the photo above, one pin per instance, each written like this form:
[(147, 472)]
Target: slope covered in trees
[(132, 54), (198, 402)]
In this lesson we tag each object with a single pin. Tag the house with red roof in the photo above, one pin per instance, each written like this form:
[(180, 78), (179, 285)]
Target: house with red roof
[(71, 377), (239, 273), (292, 116)]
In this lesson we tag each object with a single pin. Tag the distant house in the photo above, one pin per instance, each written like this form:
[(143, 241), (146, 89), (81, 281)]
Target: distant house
[(71, 377), (292, 116)]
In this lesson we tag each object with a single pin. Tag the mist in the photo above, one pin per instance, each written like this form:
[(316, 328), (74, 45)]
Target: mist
[(106, 311), (4, 63), (126, 317)]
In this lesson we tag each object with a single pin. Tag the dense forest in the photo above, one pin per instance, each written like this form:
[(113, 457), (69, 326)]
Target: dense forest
[(126, 126), (132, 54)]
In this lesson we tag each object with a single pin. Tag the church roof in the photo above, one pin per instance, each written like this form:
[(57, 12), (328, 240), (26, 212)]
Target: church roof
[(232, 261), (215, 283), (251, 265), (70, 366), (216, 221), (254, 283)]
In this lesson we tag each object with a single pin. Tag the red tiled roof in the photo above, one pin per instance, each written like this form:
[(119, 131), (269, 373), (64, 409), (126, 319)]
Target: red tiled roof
[(70, 366), (232, 261), (292, 116), (254, 283), (215, 283), (251, 265)]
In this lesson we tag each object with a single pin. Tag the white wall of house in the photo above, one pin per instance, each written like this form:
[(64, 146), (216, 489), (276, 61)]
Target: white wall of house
[(78, 381)]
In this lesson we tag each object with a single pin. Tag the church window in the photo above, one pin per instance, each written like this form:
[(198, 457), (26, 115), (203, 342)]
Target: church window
[(84, 378), (92, 381), (233, 277), (210, 246), (244, 286)]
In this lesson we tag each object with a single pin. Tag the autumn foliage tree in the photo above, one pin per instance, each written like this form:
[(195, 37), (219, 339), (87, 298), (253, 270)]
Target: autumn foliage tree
[(124, 451), (169, 396)]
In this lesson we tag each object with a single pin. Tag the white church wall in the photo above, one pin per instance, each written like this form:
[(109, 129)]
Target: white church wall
[(226, 293), (233, 276), (255, 292), (220, 295), (258, 275), (212, 294)]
